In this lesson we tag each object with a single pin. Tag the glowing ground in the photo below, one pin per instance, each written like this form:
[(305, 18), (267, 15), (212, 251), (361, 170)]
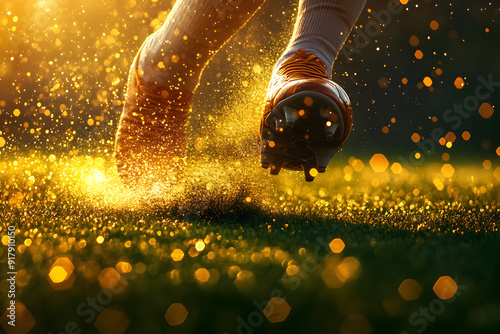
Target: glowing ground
[(365, 248), (208, 255)]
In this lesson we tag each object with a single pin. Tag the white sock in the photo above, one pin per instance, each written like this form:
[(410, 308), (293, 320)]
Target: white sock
[(176, 54), (322, 27)]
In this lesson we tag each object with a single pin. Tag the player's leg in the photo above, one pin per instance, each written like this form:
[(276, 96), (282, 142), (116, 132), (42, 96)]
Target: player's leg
[(150, 141), (307, 117)]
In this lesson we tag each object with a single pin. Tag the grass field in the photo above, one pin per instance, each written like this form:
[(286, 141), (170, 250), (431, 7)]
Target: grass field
[(369, 247), (340, 254)]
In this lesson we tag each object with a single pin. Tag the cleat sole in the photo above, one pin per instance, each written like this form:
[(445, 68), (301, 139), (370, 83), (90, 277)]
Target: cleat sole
[(276, 167), (302, 133)]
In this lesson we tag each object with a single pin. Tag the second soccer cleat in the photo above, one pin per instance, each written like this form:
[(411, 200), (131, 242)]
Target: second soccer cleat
[(307, 117)]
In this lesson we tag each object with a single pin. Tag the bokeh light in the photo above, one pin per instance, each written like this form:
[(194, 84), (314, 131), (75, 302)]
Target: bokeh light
[(434, 25), (414, 40), (486, 110), (176, 314), (445, 287), (202, 275), (177, 254), (337, 245), (227, 233), (60, 274), (277, 310), (409, 289), (330, 273), (459, 83), (123, 267), (24, 320), (111, 321), (447, 170), (349, 268), (245, 281), (379, 163), (109, 278)]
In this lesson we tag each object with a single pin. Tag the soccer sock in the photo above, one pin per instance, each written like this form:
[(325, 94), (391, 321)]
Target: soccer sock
[(175, 55), (322, 27)]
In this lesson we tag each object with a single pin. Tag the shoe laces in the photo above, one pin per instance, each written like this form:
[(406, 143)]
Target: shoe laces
[(303, 65)]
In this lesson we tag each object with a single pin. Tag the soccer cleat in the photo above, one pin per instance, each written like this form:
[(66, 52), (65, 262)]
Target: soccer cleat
[(306, 119), (150, 144)]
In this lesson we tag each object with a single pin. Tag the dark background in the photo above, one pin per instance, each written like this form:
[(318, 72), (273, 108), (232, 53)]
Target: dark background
[(78, 53)]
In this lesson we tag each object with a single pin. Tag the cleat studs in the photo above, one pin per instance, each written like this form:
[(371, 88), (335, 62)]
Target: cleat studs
[(310, 170), (325, 113), (296, 127), (265, 160), (275, 168), (309, 177), (330, 130), (323, 157), (291, 115), (323, 163)]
